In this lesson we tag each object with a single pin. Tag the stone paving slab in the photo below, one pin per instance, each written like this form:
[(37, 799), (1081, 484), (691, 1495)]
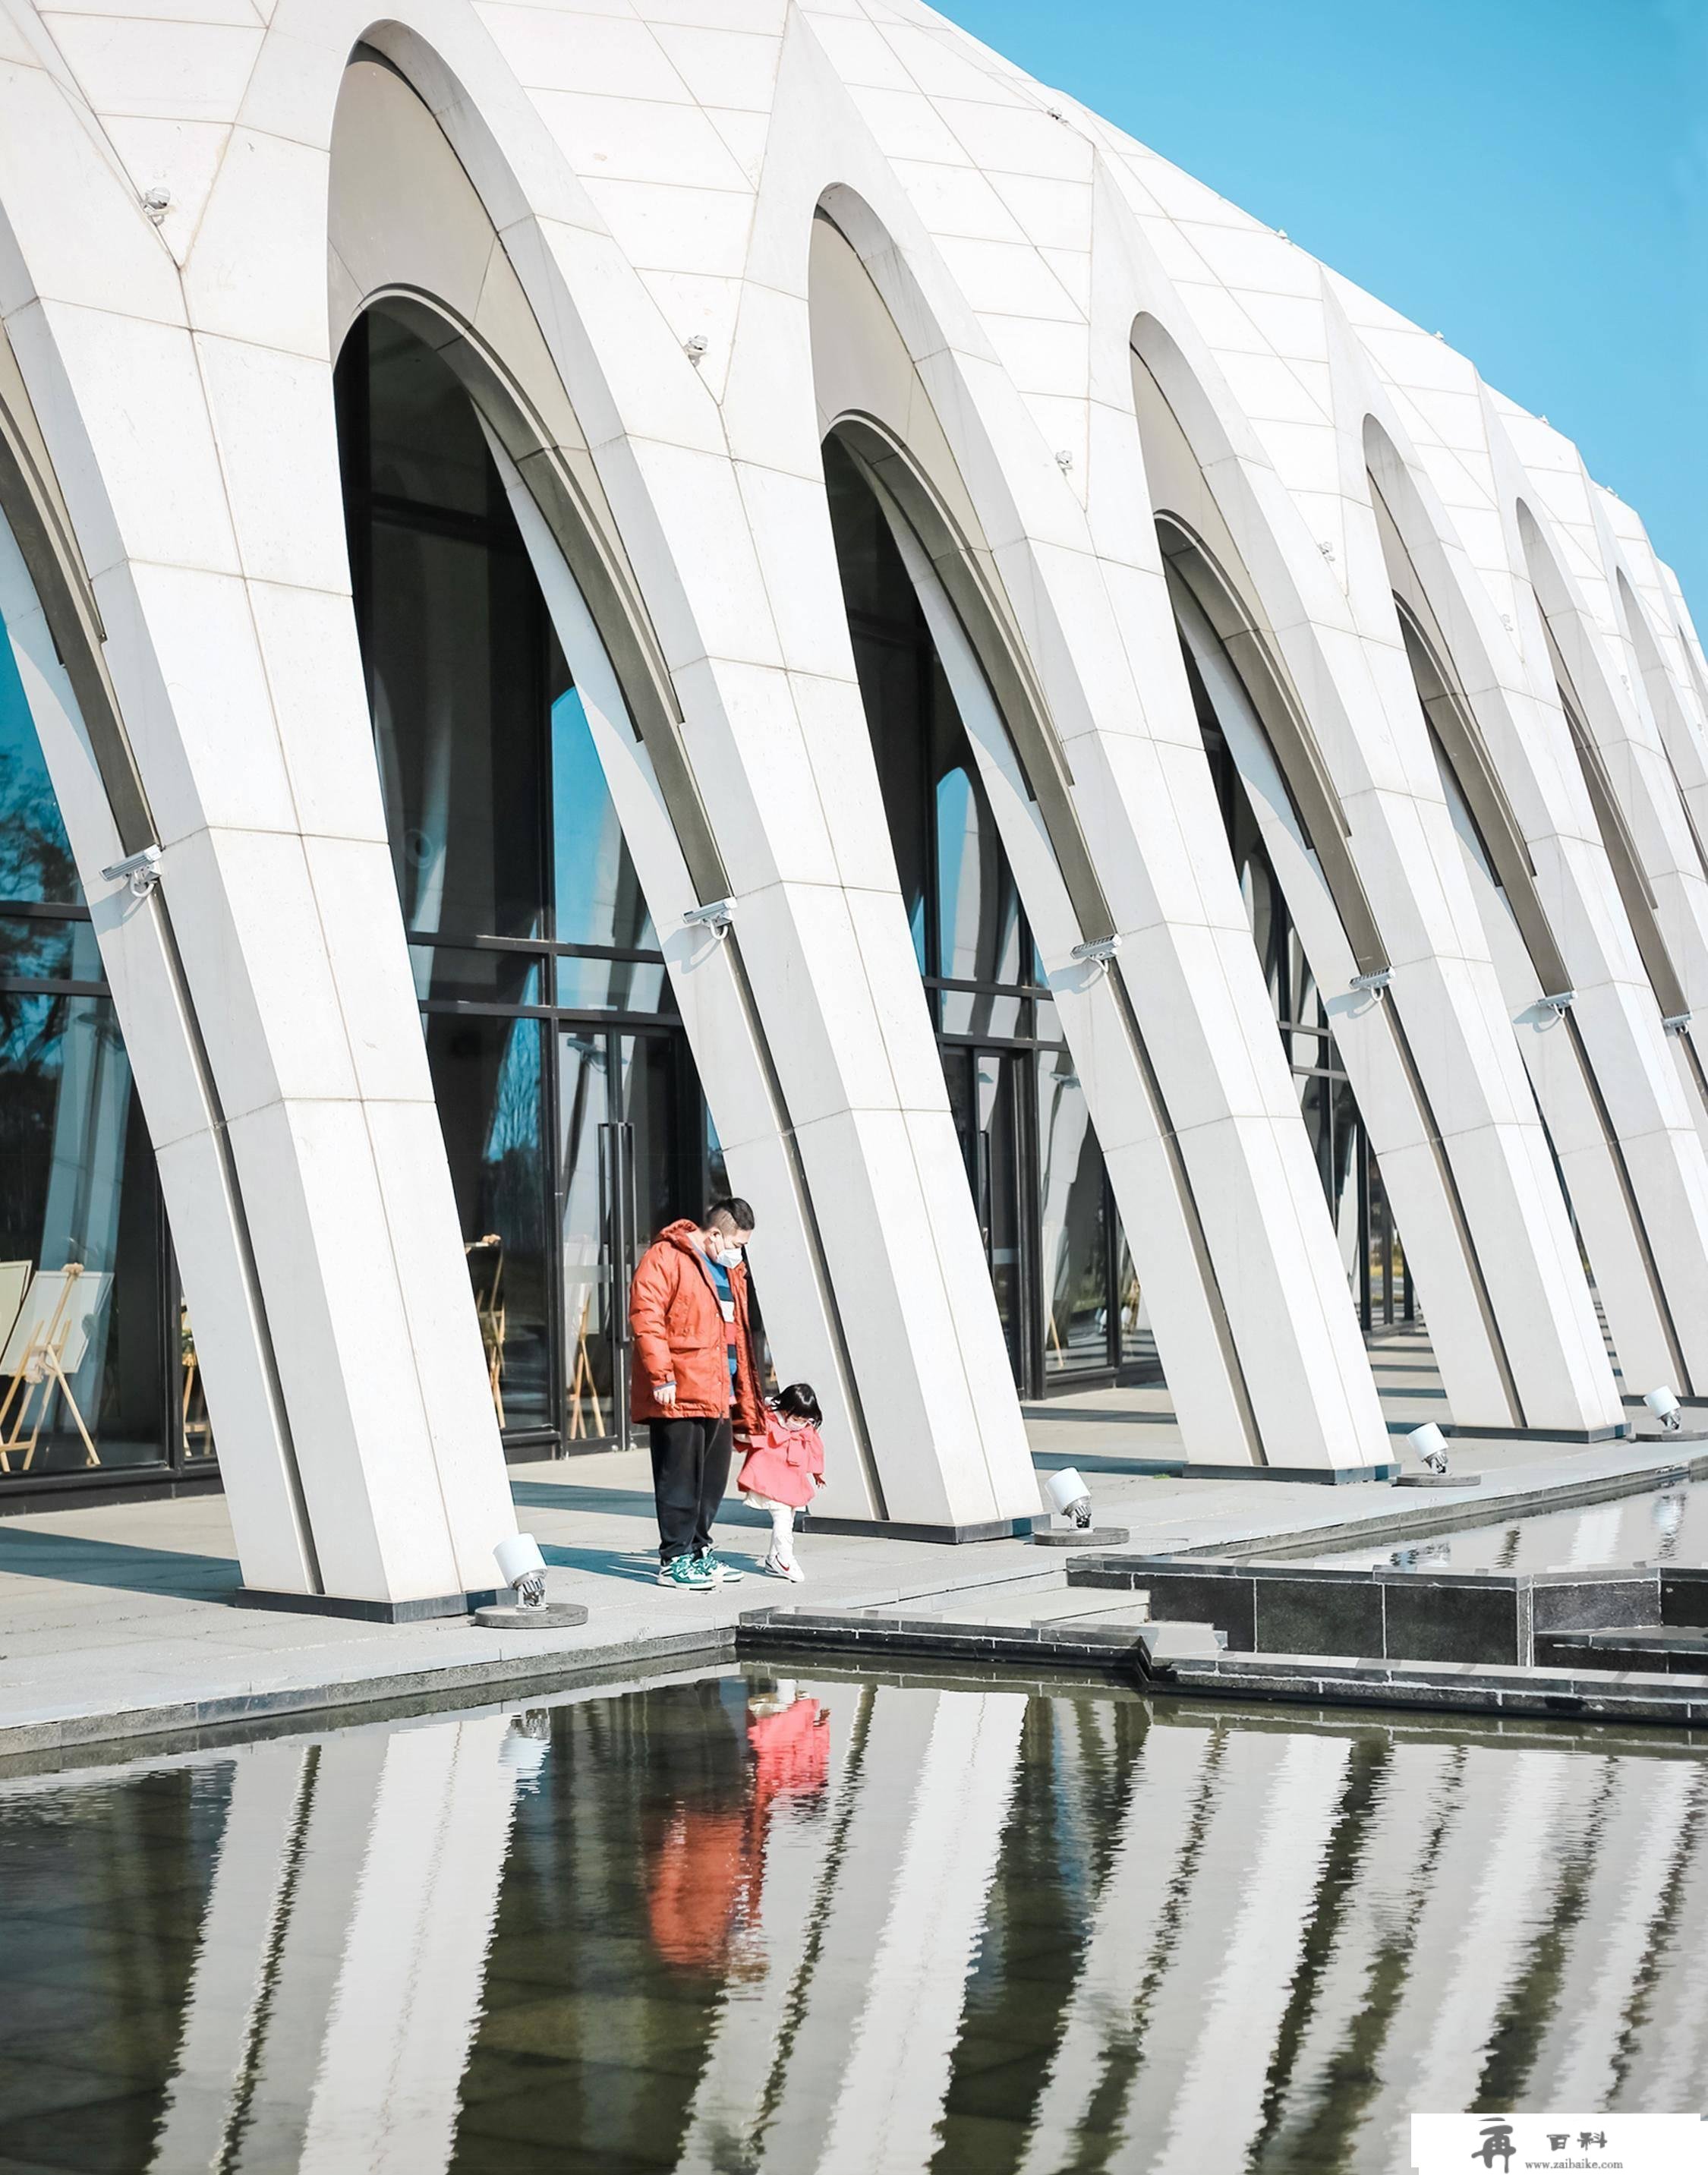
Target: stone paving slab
[(117, 1616)]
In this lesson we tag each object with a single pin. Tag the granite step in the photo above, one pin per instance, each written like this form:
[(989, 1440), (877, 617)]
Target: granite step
[(1064, 1607), (1113, 1640), (1167, 1643), (1015, 1596), (1654, 1649), (1569, 1690)]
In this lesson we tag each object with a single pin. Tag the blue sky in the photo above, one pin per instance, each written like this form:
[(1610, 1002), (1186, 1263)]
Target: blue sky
[(1530, 176)]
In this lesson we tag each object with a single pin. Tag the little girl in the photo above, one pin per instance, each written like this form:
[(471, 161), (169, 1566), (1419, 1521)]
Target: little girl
[(783, 1469)]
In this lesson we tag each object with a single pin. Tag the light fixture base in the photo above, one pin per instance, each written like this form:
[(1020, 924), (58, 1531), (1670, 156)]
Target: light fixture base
[(511, 1616)]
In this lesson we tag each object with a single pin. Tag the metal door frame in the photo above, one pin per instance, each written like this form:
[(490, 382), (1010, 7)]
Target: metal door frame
[(622, 1238)]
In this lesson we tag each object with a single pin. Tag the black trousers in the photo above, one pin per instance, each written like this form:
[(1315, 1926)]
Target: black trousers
[(690, 1470)]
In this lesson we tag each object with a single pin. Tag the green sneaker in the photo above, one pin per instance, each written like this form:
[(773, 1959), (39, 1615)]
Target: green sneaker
[(720, 1572), (689, 1572)]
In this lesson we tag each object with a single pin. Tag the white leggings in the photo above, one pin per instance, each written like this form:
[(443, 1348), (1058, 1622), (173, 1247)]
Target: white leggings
[(783, 1532)]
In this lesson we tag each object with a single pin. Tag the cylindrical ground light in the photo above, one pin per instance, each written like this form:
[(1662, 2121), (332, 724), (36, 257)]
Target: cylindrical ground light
[(522, 1568), (1431, 1446), (1070, 1497)]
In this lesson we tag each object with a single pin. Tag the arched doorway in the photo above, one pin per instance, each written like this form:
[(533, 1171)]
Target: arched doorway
[(572, 1112), (78, 1181), (1369, 1242), (1066, 1291)]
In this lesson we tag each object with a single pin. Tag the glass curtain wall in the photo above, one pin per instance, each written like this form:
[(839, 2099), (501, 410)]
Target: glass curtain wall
[(1351, 1182), (98, 1374), (1066, 1287), (572, 1116)]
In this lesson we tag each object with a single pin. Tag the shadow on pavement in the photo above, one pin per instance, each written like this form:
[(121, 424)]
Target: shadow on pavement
[(617, 1502), (1080, 1415), (79, 1560)]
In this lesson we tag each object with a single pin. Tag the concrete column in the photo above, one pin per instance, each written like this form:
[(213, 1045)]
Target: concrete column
[(186, 407)]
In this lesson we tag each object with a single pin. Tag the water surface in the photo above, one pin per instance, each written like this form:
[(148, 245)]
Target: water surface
[(739, 1923), (1666, 1526)]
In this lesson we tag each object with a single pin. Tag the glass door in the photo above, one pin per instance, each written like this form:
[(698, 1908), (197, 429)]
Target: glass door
[(589, 1193), (984, 1089), (1386, 1298), (1074, 1224), (623, 1158)]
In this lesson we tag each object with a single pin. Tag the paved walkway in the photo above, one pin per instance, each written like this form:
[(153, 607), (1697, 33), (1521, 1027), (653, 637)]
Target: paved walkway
[(116, 1619)]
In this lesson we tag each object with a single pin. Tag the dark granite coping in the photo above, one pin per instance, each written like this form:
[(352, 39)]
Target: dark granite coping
[(1577, 1694), (1486, 1688), (1587, 1575), (1294, 1574), (1087, 1570), (1497, 1676), (877, 1630)]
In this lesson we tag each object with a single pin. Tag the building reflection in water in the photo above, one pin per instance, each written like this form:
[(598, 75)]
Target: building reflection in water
[(744, 1925)]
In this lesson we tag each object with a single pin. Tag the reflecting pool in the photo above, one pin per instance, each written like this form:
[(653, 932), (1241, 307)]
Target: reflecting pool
[(740, 1923), (1663, 1526)]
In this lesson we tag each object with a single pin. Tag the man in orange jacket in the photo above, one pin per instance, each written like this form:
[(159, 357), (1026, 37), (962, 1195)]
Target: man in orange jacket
[(694, 1372)]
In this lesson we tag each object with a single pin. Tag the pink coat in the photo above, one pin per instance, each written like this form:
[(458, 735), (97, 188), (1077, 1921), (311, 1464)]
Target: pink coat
[(783, 1463)]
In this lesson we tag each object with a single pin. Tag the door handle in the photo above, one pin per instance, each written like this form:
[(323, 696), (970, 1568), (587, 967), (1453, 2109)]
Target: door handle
[(607, 1196), (631, 1213), (617, 1218)]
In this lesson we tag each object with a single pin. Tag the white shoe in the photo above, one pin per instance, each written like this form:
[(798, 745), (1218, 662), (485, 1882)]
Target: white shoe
[(777, 1569)]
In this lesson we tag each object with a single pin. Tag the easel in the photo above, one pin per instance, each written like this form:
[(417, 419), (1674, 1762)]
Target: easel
[(488, 1309), (40, 1363), (204, 1426), (583, 1374), (1132, 1306)]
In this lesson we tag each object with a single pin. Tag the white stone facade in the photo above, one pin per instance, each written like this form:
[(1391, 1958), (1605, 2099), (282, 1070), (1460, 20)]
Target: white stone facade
[(673, 243)]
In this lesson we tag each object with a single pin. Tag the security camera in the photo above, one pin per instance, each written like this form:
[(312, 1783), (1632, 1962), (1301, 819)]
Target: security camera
[(142, 870), (521, 1565), (717, 916), (1097, 951), (1069, 1496), (1665, 1406)]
